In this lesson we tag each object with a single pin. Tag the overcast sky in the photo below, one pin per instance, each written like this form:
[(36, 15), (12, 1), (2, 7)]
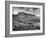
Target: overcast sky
[(35, 11)]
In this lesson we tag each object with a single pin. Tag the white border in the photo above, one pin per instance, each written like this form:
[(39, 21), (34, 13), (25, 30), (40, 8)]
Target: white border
[(30, 31)]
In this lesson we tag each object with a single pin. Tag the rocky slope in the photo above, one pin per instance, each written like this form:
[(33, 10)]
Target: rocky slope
[(24, 21)]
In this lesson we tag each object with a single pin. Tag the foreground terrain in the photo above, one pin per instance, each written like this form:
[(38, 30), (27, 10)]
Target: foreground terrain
[(23, 21)]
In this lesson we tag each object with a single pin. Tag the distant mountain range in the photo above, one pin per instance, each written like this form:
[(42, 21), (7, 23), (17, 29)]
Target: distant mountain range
[(23, 13), (28, 17)]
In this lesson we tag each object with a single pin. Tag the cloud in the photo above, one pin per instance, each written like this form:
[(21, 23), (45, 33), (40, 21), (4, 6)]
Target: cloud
[(35, 11)]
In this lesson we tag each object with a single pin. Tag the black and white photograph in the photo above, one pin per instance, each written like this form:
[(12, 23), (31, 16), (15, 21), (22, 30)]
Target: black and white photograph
[(24, 18)]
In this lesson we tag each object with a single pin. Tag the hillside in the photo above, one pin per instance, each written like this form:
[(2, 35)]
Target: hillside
[(24, 21)]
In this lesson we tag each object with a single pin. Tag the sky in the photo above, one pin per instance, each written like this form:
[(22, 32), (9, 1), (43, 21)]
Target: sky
[(35, 11)]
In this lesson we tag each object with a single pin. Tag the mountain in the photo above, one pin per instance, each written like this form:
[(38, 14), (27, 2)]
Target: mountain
[(23, 13), (24, 21), (24, 16)]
